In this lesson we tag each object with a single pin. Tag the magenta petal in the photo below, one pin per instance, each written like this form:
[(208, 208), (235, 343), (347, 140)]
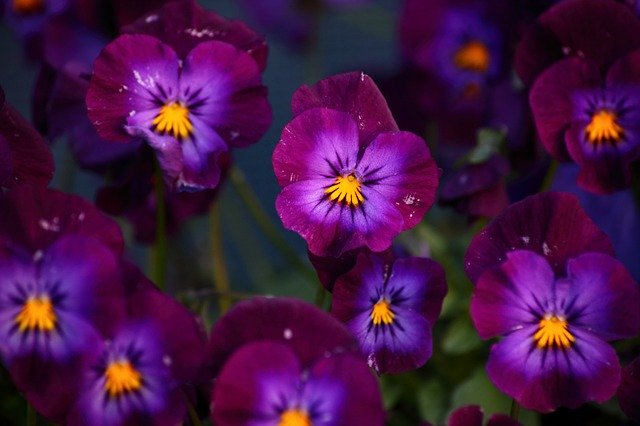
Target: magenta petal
[(604, 296), (228, 81), (626, 70), (126, 76), (471, 415), (543, 380), (552, 224), (551, 100), (399, 166), (507, 297), (354, 93), (316, 144)]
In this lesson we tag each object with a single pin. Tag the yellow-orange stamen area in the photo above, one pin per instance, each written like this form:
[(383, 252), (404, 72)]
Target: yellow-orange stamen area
[(553, 331), (346, 189), (173, 119), (37, 314), (295, 417), (604, 127), (25, 7), (121, 377), (382, 313), (473, 56)]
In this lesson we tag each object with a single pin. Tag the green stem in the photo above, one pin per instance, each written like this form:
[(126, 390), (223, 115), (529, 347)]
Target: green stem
[(193, 415), (31, 416), (220, 275), (548, 178), (264, 222), (515, 410), (321, 296), (159, 254)]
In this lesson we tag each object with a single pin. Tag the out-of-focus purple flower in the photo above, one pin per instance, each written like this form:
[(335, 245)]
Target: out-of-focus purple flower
[(391, 308), (54, 307), (591, 120), (345, 183), (478, 189), (629, 391), (27, 17), (597, 30), (33, 218), (552, 224), (24, 155), (189, 109), (266, 383), (555, 327), (307, 330), (472, 415)]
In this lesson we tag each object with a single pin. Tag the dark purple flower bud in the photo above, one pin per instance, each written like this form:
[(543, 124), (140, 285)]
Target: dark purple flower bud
[(391, 307), (472, 415)]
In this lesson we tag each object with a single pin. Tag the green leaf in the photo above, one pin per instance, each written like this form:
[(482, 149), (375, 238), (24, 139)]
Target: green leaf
[(460, 337), (432, 401)]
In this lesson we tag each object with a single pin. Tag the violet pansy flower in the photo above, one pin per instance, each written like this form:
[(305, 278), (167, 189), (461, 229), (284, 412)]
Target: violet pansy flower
[(555, 328), (391, 307), (265, 383), (344, 184), (188, 109)]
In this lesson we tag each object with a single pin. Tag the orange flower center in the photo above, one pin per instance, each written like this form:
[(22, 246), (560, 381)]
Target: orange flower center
[(28, 7), (346, 189), (473, 56), (120, 378), (173, 119), (382, 313), (37, 314), (604, 127), (295, 417), (553, 331)]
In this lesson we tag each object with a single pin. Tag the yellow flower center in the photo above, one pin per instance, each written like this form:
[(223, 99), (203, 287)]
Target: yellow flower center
[(604, 127), (294, 417), (382, 313), (473, 56), (25, 7), (346, 189), (37, 314), (553, 331), (173, 119), (120, 378)]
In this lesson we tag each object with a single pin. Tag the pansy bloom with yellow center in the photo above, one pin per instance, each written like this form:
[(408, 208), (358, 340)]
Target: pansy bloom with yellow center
[(190, 109), (349, 178), (391, 307), (591, 120), (555, 328)]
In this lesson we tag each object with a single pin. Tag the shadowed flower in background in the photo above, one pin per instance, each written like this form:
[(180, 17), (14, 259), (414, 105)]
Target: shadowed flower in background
[(346, 180), (629, 391), (391, 307), (472, 415)]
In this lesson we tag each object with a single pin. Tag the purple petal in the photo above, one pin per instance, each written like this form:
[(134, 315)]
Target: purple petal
[(551, 224), (551, 100), (127, 77), (508, 297), (629, 390), (318, 143), (354, 93), (471, 415), (543, 380), (399, 166), (228, 82), (603, 297)]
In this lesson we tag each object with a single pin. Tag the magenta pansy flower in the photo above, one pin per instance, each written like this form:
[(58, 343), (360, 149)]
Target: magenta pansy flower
[(190, 108), (348, 178), (391, 307), (555, 327)]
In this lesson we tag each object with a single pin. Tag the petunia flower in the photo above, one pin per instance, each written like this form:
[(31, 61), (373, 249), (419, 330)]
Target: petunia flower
[(629, 391), (344, 184), (597, 30), (555, 327), (24, 154), (551, 224), (189, 109), (391, 308), (591, 119), (266, 383)]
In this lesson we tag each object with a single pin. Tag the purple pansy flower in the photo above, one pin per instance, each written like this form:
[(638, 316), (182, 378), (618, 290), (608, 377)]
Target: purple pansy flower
[(591, 120), (551, 224), (189, 109), (472, 415), (344, 184), (266, 383), (597, 30), (24, 154), (555, 327), (391, 308), (27, 17), (629, 390)]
